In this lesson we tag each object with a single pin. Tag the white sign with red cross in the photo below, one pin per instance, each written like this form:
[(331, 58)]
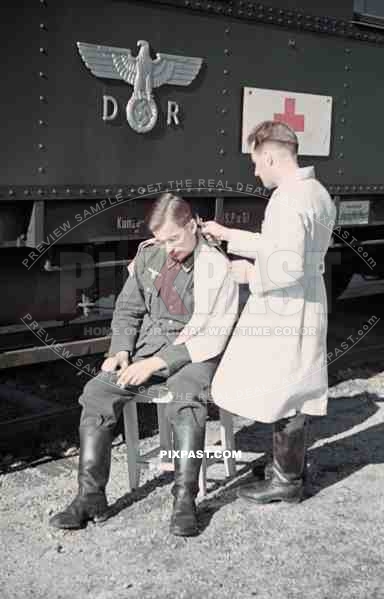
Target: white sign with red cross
[(309, 115)]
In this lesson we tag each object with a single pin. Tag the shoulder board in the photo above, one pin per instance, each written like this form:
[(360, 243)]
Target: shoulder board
[(145, 243), (148, 243)]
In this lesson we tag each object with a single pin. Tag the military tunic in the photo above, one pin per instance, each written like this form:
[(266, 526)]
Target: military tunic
[(153, 307)]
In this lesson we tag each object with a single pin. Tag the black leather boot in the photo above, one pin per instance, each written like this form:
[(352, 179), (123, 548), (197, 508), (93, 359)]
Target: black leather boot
[(94, 466), (285, 483), (188, 435)]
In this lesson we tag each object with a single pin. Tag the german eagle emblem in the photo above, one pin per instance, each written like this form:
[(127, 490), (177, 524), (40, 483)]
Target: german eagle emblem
[(142, 73)]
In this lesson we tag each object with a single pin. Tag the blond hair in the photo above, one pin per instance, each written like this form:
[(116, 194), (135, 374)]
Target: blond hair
[(273, 131), (171, 207)]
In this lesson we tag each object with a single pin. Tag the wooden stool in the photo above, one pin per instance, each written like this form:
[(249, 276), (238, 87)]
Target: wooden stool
[(136, 461)]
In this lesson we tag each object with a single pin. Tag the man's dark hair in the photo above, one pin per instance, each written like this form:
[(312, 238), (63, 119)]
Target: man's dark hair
[(273, 131), (169, 207)]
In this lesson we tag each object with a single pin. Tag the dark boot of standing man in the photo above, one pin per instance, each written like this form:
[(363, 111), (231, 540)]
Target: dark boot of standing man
[(285, 482)]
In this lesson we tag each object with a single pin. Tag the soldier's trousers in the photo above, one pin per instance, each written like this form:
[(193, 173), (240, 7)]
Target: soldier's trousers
[(103, 401)]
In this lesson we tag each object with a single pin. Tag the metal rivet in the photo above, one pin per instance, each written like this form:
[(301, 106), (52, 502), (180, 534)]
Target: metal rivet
[(341, 155), (42, 75), (68, 190), (94, 190), (345, 102), (342, 120), (41, 146), (132, 190), (42, 26), (221, 171), (226, 72), (346, 85), (120, 190), (224, 92), (107, 190), (340, 171), (43, 2), (11, 192), (26, 192), (40, 192), (341, 137), (54, 191), (41, 123), (227, 52), (42, 98), (347, 50), (224, 111), (81, 192), (222, 131), (347, 67), (227, 31), (41, 169), (292, 43), (222, 152), (43, 51)]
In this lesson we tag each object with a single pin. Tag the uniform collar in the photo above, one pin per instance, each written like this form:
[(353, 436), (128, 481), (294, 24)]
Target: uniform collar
[(187, 264), (300, 174), (307, 172)]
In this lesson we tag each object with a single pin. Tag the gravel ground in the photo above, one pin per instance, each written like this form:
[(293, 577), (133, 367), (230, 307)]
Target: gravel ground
[(330, 546)]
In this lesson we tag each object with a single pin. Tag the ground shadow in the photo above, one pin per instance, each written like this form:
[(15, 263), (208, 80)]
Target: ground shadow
[(326, 465), (138, 494)]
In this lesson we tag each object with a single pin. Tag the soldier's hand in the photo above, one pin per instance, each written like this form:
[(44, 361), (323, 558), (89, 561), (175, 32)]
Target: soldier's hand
[(139, 372), (215, 230), (116, 362)]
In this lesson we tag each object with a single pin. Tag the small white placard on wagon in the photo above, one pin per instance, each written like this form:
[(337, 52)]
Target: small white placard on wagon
[(309, 115)]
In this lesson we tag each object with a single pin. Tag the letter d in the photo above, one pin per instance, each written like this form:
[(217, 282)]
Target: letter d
[(106, 116)]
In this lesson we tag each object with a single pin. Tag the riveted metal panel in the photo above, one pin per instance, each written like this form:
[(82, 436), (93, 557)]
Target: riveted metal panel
[(364, 128), (342, 9), (20, 41), (78, 146), (274, 59), (55, 144)]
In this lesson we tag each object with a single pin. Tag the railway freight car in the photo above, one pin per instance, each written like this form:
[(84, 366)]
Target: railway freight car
[(104, 104)]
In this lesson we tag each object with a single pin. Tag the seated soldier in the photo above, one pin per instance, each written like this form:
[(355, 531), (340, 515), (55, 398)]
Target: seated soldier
[(180, 291)]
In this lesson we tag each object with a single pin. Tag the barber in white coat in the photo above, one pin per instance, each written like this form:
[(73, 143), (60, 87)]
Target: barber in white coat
[(274, 369)]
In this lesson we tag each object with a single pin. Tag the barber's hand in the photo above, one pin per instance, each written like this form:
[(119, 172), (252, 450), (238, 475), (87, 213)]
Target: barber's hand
[(241, 271), (213, 228), (139, 372), (118, 361)]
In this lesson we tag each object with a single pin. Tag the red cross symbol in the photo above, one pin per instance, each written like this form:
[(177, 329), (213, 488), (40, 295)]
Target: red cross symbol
[(295, 121)]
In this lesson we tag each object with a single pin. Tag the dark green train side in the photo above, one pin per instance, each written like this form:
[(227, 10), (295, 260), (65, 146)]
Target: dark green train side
[(75, 187)]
